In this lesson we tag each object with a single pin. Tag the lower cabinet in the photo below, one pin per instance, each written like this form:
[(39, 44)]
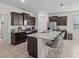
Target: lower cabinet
[(17, 38), (32, 46), (70, 37)]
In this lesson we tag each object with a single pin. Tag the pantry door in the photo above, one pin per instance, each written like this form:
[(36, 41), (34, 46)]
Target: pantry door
[(3, 27)]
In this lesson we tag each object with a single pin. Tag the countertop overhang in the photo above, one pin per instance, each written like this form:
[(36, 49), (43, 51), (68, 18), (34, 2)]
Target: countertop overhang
[(45, 35)]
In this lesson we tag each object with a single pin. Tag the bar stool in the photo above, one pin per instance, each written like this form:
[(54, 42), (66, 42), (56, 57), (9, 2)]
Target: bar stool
[(56, 44), (60, 44), (53, 44)]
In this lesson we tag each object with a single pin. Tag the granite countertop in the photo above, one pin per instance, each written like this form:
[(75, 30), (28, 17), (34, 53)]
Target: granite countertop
[(28, 31), (46, 35), (17, 31), (62, 28)]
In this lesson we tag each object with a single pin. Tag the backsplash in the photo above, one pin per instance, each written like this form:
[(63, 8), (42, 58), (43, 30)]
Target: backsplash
[(16, 27), (62, 27)]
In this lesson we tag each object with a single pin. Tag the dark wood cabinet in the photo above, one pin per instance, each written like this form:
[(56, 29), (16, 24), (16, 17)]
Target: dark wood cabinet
[(70, 37), (53, 19), (32, 46), (60, 20), (20, 22), (16, 18), (21, 18), (25, 17), (30, 19), (17, 38)]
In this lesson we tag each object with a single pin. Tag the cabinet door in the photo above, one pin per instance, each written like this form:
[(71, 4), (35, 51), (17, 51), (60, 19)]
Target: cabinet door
[(28, 20), (62, 20), (32, 46), (59, 21), (50, 19), (25, 19), (17, 38), (53, 19), (31, 21), (20, 20), (14, 18)]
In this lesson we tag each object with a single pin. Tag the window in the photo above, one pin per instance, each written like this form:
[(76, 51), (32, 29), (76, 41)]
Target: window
[(76, 23)]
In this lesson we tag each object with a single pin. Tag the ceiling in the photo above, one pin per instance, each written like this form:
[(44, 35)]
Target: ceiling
[(50, 6)]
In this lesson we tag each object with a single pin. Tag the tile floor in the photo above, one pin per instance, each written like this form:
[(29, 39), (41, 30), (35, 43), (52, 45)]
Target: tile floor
[(70, 50), (10, 51)]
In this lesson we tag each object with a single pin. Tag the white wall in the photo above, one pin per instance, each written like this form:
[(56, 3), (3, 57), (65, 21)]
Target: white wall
[(70, 22), (4, 26), (5, 11)]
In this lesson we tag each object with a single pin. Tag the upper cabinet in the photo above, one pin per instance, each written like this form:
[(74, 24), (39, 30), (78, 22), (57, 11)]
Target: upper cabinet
[(22, 19), (20, 22), (60, 20), (28, 20), (53, 19), (31, 21), (16, 19)]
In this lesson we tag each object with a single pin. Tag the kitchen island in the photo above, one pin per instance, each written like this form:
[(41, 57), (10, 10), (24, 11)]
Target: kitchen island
[(36, 43)]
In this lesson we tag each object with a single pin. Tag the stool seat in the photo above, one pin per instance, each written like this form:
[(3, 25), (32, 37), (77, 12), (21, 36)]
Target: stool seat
[(52, 43)]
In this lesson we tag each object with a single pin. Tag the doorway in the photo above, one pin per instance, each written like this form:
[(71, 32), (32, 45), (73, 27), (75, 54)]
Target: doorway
[(3, 27)]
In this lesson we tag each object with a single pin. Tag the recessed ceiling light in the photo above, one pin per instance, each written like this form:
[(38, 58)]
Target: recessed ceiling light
[(23, 0)]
